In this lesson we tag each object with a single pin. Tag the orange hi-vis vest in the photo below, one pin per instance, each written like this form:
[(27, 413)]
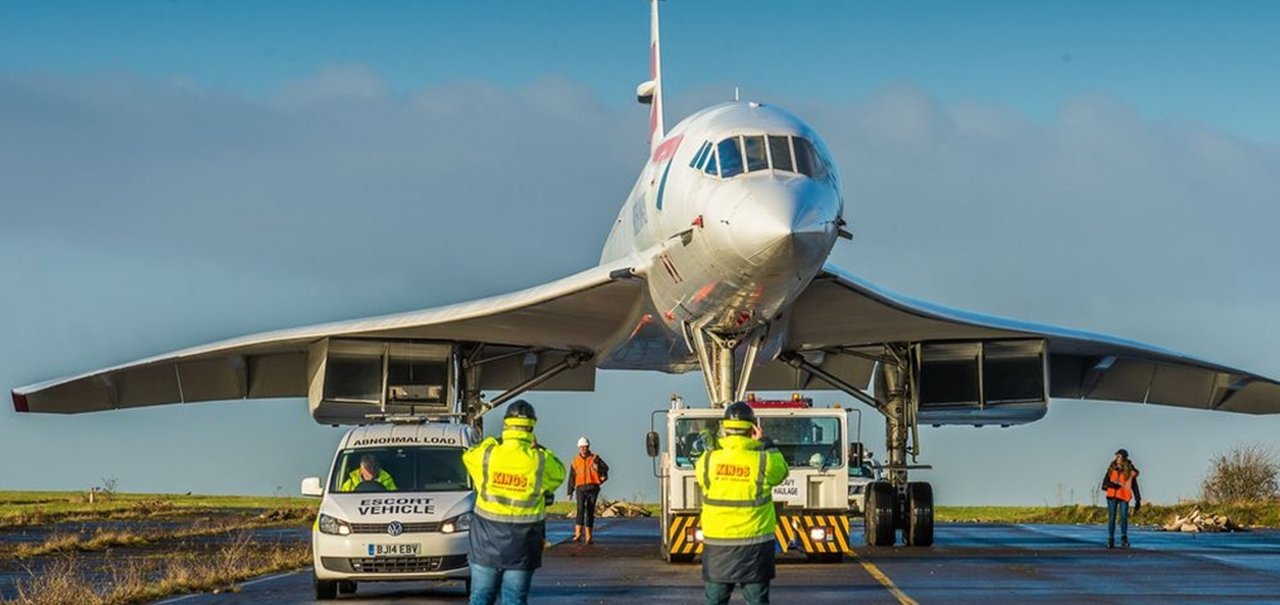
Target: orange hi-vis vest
[(1124, 493), (585, 471)]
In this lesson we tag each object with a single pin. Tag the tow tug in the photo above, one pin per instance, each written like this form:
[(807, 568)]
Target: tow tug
[(812, 503)]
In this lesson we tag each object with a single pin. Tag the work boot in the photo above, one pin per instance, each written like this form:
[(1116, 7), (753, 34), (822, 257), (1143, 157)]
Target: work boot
[(577, 533), (589, 540), (1111, 542), (1124, 541)]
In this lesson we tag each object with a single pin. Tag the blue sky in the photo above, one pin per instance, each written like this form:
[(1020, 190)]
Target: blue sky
[(177, 172)]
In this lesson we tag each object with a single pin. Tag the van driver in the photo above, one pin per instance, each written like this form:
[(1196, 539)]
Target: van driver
[(369, 470)]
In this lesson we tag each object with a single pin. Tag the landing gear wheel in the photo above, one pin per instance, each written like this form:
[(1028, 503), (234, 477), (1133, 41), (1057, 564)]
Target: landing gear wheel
[(919, 521), (325, 589), (879, 528), (346, 587)]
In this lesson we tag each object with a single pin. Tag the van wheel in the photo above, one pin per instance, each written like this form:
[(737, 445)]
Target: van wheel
[(325, 589), (346, 587)]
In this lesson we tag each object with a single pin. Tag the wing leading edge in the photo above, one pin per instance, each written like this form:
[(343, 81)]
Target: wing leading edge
[(580, 312), (840, 311)]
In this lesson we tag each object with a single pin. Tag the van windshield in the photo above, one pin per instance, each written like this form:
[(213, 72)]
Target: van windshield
[(400, 469)]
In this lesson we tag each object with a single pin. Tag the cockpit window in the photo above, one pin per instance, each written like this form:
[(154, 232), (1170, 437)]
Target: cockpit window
[(757, 158), (701, 155), (737, 155), (808, 162), (780, 153), (730, 157)]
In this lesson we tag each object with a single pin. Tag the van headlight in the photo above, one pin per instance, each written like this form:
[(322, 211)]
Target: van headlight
[(333, 525), (456, 524)]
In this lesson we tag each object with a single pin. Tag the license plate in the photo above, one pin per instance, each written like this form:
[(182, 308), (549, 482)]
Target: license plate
[(395, 550)]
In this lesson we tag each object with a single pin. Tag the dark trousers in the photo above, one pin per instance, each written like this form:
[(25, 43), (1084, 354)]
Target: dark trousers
[(586, 497), (752, 592)]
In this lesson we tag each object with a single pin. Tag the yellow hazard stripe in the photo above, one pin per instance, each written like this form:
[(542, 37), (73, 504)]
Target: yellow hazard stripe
[(673, 530), (782, 533), (678, 540), (842, 533), (804, 534), (884, 581), (796, 528)]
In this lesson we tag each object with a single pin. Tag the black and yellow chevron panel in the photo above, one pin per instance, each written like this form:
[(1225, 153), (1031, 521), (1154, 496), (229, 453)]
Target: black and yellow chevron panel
[(680, 536), (796, 531)]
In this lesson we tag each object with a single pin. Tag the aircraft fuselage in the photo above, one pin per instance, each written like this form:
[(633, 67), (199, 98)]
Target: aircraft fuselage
[(735, 211)]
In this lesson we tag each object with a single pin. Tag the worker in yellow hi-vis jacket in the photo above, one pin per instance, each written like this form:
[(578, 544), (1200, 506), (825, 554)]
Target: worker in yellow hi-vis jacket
[(738, 519)]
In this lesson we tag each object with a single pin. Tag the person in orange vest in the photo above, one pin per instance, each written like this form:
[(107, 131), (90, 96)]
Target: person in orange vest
[(587, 473), (1121, 484)]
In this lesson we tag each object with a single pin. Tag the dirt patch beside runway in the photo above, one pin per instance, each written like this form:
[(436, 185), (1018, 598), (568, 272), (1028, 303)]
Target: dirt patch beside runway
[(55, 548)]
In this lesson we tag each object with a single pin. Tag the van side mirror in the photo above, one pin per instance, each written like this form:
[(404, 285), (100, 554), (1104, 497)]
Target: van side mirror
[(651, 444), (856, 453), (311, 487)]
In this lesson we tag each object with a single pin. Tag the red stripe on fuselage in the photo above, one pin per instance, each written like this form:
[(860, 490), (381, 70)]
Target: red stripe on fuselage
[(667, 148)]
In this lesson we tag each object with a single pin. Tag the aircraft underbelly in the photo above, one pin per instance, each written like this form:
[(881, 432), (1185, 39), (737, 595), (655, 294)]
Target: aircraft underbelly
[(698, 284)]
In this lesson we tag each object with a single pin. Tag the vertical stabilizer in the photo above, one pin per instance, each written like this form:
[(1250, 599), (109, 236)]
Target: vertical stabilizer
[(650, 91)]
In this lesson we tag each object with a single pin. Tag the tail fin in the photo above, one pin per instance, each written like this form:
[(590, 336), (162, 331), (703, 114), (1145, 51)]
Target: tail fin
[(650, 92)]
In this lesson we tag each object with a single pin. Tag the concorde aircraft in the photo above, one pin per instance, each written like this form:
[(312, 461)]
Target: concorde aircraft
[(717, 262)]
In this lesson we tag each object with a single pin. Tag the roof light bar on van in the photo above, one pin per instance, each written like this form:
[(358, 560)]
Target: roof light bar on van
[(411, 418)]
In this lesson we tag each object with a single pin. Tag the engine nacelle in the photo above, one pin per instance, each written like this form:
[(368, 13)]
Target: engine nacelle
[(351, 378), (1002, 382)]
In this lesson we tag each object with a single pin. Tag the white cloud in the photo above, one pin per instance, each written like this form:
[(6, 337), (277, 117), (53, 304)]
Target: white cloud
[(336, 189)]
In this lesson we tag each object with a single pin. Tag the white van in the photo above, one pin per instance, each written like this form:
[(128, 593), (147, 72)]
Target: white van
[(409, 523)]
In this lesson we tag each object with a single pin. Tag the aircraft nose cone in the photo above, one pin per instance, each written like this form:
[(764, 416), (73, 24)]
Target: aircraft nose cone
[(786, 222)]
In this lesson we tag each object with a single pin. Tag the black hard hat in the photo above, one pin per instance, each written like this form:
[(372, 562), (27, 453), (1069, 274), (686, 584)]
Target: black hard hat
[(738, 415), (520, 413), (1123, 452)]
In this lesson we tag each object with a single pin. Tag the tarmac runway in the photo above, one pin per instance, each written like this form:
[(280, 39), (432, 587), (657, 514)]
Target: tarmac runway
[(970, 563)]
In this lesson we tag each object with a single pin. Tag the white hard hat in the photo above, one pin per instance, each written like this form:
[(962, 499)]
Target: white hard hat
[(582, 442), (817, 459)]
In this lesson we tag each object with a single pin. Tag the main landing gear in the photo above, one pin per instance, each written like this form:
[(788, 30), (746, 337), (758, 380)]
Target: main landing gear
[(894, 503), (898, 503), (891, 505)]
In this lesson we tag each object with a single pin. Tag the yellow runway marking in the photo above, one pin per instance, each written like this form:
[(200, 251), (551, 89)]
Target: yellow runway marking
[(885, 581)]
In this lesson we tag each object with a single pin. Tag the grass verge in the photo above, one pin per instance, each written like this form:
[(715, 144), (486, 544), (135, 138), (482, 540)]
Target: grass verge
[(140, 580), (1260, 515), (21, 509), (104, 539)]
